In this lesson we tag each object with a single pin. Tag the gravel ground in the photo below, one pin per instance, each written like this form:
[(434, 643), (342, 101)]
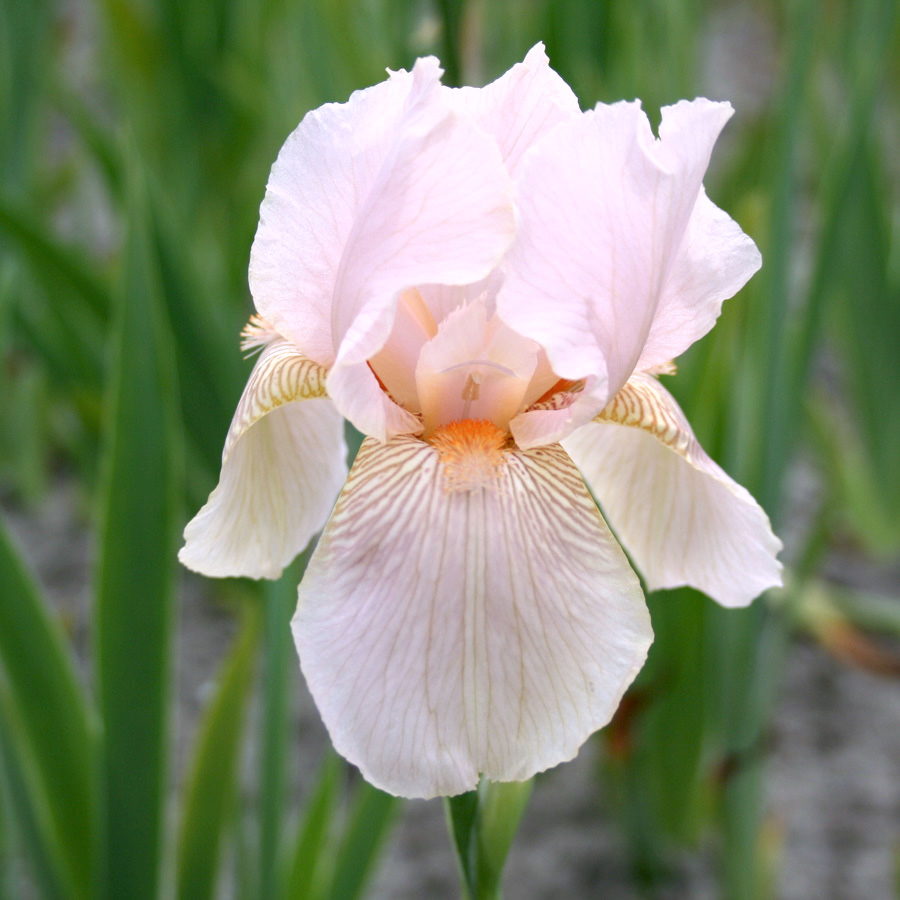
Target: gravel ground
[(834, 767)]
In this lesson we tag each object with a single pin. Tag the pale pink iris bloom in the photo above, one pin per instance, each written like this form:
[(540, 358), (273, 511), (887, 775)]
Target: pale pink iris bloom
[(486, 283)]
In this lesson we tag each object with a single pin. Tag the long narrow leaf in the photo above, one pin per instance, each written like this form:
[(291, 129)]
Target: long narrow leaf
[(213, 783), (135, 574), (280, 598), (31, 815), (51, 708), (49, 256), (308, 861), (370, 821)]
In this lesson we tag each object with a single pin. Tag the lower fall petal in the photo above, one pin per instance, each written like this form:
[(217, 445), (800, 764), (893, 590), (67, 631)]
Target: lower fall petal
[(282, 467), (682, 518), (448, 631)]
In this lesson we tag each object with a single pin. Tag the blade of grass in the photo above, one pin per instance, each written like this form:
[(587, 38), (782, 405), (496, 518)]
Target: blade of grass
[(134, 609), (311, 858), (672, 734), (31, 815), (214, 770), (370, 821), (47, 255), (280, 598), (54, 716), (462, 813), (747, 646), (26, 32)]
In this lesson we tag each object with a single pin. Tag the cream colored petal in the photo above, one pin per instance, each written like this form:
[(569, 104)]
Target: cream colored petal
[(282, 468), (448, 634), (682, 518)]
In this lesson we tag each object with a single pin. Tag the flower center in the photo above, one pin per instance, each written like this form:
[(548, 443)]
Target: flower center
[(468, 367), (472, 453)]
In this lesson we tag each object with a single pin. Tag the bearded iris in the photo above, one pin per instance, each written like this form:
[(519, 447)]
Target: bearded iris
[(487, 283)]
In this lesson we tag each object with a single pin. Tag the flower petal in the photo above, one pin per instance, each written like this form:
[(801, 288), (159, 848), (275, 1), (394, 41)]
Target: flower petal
[(282, 467), (715, 261), (475, 367), (448, 634), (311, 203), (519, 107), (357, 394), (681, 517), (552, 419), (603, 210), (367, 198)]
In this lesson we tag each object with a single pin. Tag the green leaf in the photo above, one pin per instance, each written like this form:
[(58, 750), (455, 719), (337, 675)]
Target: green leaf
[(483, 824), (214, 771), (663, 766), (133, 614), (462, 812), (54, 719), (370, 821), (311, 857), (279, 665), (49, 257), (500, 809), (30, 812)]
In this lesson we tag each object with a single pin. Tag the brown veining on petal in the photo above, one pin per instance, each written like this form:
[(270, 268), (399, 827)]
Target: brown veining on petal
[(562, 395), (640, 406)]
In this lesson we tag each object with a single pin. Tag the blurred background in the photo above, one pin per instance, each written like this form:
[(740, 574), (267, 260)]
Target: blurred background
[(155, 736)]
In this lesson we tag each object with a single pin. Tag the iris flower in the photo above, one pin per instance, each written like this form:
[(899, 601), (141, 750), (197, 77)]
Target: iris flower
[(488, 284)]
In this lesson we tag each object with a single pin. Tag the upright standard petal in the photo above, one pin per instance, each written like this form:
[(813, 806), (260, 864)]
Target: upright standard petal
[(315, 189), (715, 261), (682, 518), (604, 207), (282, 468), (449, 632), (367, 198), (519, 107), (438, 212)]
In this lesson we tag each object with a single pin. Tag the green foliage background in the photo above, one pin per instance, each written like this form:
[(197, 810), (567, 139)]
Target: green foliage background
[(135, 142)]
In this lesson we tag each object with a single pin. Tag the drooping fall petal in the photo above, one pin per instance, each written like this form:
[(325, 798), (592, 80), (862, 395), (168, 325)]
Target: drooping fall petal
[(451, 633), (604, 207), (282, 468), (682, 518)]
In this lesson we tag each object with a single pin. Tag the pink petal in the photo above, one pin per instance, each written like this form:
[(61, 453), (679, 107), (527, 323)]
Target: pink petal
[(311, 204), (443, 299), (682, 519), (604, 208), (282, 467), (449, 634), (555, 418), (366, 405), (715, 261), (371, 197), (470, 346), (520, 106), (395, 363)]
